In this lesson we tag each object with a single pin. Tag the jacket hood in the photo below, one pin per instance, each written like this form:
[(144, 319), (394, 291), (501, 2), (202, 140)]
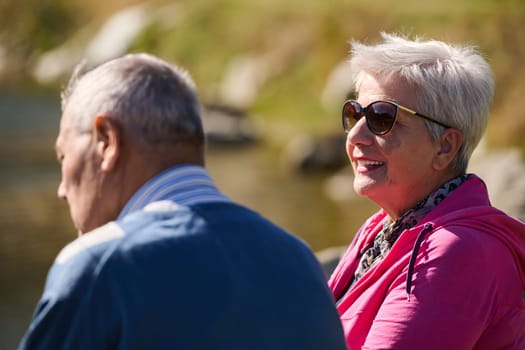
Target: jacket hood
[(473, 210)]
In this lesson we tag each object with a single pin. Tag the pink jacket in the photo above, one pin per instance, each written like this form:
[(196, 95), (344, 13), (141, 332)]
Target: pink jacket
[(454, 281)]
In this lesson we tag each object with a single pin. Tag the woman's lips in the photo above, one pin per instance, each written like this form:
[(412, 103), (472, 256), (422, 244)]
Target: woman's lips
[(366, 165)]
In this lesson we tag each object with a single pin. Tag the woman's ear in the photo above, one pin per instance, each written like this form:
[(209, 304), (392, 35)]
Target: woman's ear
[(449, 144), (108, 137)]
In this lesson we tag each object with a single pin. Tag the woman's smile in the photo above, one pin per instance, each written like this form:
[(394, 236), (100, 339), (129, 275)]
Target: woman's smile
[(367, 165)]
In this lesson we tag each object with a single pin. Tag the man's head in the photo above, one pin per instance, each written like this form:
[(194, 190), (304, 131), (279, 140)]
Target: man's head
[(122, 123)]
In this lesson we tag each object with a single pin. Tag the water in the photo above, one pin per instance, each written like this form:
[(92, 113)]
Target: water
[(34, 224)]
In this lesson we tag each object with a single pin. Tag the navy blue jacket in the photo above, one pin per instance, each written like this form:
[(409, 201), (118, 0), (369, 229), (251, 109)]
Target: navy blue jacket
[(206, 276)]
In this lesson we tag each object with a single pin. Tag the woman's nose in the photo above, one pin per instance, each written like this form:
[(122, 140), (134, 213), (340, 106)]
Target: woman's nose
[(360, 133)]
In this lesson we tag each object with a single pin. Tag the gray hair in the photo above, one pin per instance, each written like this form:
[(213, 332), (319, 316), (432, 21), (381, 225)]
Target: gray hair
[(453, 84), (140, 90)]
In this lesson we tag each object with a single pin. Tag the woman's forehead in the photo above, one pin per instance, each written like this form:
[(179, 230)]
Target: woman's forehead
[(373, 88)]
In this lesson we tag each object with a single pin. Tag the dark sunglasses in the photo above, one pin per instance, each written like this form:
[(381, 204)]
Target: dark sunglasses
[(380, 115)]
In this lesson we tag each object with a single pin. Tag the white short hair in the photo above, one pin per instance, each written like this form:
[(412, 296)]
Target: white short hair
[(453, 84), (140, 90)]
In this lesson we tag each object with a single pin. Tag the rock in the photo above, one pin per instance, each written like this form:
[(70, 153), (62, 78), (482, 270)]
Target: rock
[(56, 64), (243, 78), (117, 34), (246, 74), (227, 126), (340, 186), (309, 154), (112, 40), (329, 258), (338, 86), (503, 171)]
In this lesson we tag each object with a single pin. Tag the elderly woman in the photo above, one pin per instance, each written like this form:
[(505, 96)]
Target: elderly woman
[(437, 267)]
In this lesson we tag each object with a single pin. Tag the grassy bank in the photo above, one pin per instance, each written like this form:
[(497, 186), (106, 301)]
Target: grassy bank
[(310, 35)]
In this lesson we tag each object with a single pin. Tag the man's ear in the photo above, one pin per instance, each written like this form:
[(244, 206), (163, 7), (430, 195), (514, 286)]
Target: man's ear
[(108, 137), (449, 144)]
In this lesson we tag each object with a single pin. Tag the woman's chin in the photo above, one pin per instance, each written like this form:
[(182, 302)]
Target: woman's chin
[(366, 187)]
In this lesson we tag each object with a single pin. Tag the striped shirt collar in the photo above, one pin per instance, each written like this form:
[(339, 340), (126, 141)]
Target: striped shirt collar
[(182, 184)]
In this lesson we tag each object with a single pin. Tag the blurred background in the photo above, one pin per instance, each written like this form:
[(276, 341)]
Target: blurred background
[(272, 77)]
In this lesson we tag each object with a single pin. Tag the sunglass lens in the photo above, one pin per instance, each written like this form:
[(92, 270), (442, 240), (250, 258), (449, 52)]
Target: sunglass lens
[(351, 114), (381, 117)]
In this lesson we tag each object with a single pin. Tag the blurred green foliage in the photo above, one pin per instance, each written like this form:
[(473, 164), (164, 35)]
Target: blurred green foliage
[(31, 27), (312, 37)]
